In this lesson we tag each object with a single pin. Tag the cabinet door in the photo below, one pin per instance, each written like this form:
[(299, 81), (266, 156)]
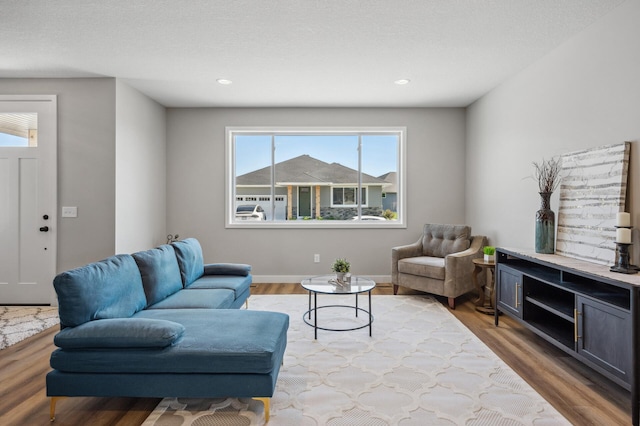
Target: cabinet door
[(509, 291), (604, 336)]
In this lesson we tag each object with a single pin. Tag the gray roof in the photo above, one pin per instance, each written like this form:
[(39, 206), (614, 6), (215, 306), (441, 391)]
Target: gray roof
[(392, 178), (307, 170)]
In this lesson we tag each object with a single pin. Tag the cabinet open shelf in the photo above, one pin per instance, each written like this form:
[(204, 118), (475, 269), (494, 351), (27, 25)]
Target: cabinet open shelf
[(574, 282), (550, 330), (552, 306)]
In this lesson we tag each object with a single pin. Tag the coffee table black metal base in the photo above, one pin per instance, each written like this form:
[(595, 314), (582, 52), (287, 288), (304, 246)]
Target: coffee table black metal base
[(307, 315), (325, 285)]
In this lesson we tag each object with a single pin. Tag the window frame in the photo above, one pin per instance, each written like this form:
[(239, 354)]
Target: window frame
[(230, 174)]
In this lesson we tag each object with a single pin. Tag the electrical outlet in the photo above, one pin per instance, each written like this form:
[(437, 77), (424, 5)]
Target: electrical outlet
[(316, 258), (69, 212)]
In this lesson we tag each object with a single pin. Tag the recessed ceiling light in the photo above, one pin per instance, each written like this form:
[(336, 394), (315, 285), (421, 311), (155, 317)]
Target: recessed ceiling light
[(402, 81), (224, 81)]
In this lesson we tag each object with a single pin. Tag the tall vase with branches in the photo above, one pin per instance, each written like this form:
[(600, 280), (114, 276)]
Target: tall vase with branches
[(548, 175)]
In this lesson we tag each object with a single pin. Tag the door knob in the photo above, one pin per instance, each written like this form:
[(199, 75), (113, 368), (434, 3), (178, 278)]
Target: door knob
[(44, 229)]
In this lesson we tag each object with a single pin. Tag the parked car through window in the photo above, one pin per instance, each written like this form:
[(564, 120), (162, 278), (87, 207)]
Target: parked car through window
[(250, 212)]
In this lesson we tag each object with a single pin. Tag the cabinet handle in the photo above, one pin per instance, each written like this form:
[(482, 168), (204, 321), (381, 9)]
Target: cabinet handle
[(517, 293), (576, 313)]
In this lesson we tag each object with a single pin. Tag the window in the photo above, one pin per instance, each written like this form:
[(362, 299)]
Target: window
[(316, 177), (346, 196), (19, 130)]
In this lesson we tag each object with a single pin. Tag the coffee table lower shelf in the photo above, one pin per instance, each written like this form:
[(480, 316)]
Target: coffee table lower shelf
[(307, 318)]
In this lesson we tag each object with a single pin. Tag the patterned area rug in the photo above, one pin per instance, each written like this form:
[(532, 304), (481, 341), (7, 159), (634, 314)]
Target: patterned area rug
[(19, 322), (420, 367)]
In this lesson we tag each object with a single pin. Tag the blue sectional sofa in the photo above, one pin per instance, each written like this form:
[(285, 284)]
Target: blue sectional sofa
[(160, 323)]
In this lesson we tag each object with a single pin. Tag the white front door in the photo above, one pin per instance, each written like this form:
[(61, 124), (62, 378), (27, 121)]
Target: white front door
[(28, 201)]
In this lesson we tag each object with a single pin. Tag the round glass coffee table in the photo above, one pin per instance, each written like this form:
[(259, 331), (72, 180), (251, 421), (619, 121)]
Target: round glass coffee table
[(327, 284)]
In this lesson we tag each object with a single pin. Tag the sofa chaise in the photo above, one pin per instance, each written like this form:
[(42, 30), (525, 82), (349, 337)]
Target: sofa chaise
[(160, 323)]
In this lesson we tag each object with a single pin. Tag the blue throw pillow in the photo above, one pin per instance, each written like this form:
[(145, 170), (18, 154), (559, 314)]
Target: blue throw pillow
[(189, 255), (110, 288), (120, 333), (160, 273)]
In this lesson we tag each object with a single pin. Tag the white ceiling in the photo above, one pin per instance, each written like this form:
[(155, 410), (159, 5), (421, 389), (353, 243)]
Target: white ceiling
[(333, 53)]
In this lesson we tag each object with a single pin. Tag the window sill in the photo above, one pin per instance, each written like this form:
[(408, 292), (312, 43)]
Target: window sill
[(318, 224)]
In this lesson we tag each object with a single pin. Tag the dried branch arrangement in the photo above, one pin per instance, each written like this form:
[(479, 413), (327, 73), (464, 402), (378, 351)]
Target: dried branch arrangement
[(547, 173)]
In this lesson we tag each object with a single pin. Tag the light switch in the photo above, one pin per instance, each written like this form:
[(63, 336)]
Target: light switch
[(69, 212)]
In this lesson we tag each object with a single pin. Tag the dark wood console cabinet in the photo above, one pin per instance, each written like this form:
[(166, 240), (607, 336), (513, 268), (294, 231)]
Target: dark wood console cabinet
[(580, 307)]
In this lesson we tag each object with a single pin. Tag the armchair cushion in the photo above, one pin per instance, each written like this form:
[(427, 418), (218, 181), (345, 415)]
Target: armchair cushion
[(424, 266), (442, 240)]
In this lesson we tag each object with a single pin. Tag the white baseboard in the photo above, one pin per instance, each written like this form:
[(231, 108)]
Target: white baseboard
[(286, 279)]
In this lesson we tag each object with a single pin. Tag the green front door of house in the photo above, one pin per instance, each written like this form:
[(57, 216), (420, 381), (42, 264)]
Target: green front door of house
[(304, 201)]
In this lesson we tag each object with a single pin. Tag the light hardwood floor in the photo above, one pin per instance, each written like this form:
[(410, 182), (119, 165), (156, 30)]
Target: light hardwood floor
[(580, 394)]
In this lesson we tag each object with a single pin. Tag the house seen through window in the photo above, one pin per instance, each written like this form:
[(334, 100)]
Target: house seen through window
[(19, 130), (315, 177)]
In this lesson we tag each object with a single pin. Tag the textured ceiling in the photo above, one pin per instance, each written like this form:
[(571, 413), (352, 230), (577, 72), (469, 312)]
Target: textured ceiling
[(290, 52)]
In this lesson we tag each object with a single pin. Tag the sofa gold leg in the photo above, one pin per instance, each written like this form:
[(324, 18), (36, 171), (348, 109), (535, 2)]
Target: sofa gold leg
[(266, 402), (246, 303), (52, 407)]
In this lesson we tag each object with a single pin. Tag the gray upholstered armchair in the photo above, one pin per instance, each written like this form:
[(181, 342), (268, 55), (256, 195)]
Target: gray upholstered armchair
[(440, 262)]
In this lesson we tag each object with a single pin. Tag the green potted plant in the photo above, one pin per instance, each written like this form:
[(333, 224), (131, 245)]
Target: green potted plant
[(489, 253), (340, 267)]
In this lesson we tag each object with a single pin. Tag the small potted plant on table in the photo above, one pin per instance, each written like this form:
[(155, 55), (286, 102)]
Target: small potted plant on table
[(489, 253), (340, 267)]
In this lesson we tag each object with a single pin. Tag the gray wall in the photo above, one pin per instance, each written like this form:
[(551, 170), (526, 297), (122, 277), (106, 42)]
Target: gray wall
[(196, 189), (92, 126), (141, 157), (584, 94), (470, 166), (86, 163)]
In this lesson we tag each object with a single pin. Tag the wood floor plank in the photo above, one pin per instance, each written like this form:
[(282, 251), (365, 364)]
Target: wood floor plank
[(579, 393)]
